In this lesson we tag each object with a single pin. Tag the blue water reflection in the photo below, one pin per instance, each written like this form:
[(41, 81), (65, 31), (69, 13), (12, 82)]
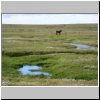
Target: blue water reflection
[(32, 70), (81, 46)]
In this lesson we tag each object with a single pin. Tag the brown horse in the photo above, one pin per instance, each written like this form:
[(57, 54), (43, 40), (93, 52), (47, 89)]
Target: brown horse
[(58, 32)]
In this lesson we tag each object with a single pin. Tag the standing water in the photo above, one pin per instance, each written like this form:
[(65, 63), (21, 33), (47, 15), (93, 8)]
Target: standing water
[(27, 70), (81, 46)]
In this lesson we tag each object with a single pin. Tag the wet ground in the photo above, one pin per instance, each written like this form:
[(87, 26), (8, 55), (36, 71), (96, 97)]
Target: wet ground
[(32, 70), (81, 46)]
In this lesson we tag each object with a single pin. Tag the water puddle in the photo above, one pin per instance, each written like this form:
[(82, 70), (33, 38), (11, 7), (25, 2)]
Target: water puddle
[(33, 70), (81, 46)]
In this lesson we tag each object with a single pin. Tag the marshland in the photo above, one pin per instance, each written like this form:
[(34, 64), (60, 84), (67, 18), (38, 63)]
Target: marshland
[(39, 45)]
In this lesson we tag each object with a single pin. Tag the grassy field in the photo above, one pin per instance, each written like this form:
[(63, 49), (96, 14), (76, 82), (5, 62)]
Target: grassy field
[(39, 45)]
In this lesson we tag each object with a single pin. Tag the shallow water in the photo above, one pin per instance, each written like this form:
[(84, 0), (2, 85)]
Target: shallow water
[(81, 46), (32, 70)]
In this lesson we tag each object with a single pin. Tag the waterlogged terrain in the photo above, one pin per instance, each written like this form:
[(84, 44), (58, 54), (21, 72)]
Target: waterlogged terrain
[(27, 70), (82, 47), (33, 55)]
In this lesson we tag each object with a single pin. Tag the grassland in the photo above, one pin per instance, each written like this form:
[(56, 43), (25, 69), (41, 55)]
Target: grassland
[(39, 45)]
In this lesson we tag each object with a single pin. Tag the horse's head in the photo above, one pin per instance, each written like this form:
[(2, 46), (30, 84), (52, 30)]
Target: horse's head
[(60, 30)]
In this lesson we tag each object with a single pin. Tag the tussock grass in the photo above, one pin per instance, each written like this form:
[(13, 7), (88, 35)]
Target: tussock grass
[(25, 53)]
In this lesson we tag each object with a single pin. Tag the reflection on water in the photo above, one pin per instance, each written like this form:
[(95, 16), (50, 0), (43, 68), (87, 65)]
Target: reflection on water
[(81, 46), (27, 70)]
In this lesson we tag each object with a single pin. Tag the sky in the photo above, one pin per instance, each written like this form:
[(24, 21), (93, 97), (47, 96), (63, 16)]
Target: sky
[(49, 18)]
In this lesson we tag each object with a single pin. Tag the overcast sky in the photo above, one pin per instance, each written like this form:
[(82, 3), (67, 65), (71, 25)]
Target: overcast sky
[(49, 18)]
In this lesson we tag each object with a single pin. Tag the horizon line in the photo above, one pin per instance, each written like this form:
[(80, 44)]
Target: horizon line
[(50, 24)]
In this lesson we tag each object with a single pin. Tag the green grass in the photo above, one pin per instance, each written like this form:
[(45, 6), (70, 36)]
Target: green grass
[(38, 45)]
